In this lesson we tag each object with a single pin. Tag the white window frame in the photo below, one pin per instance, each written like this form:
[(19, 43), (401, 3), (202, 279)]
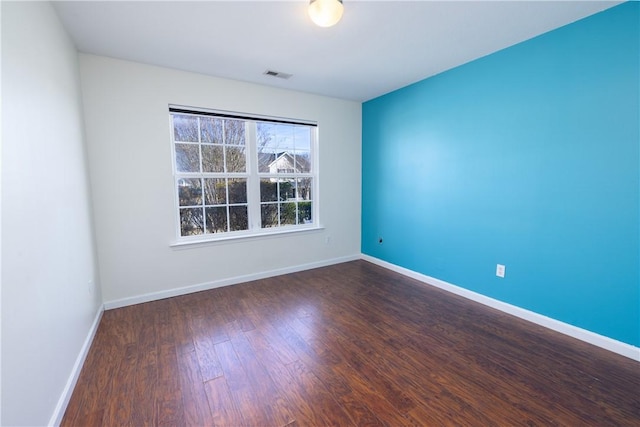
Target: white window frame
[(252, 175)]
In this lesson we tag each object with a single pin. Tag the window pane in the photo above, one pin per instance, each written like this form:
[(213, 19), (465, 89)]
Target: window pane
[(215, 191), (185, 128), (266, 154), (190, 191), (284, 163), (304, 189), (211, 130), (304, 213), (187, 158), (234, 132), (216, 219), (212, 158), (268, 190), (302, 137), (237, 191), (264, 159), (269, 214), (191, 221), (283, 137), (238, 218), (236, 159), (287, 189), (302, 162), (287, 213), (276, 143)]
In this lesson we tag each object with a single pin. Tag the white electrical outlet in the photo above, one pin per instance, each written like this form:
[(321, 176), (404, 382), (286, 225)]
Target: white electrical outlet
[(500, 269)]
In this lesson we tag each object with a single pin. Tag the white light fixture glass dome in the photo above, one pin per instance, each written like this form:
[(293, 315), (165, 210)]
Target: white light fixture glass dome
[(325, 13)]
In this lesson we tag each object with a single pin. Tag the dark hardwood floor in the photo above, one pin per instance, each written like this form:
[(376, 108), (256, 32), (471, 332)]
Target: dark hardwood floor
[(350, 344)]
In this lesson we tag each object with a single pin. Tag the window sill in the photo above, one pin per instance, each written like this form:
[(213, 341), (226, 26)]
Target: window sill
[(196, 243)]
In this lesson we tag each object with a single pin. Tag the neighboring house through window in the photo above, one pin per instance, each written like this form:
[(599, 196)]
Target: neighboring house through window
[(237, 175)]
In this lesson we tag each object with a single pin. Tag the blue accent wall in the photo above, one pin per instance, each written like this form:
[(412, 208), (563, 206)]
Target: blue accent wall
[(528, 157)]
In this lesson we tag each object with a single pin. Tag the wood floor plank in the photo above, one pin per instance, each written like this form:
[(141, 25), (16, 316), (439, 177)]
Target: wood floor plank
[(345, 345), (264, 389), (318, 360), (228, 304), (224, 410), (180, 315), (195, 401), (360, 411), (170, 405), (207, 329), (328, 411), (123, 395), (284, 352), (147, 391), (289, 388), (94, 379), (240, 387)]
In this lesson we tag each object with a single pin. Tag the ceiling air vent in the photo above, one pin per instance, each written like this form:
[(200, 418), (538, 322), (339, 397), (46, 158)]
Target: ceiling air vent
[(277, 74)]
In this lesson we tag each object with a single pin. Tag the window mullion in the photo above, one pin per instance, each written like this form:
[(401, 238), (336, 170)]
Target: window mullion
[(278, 200), (226, 189), (225, 177), (315, 176), (253, 180), (200, 176)]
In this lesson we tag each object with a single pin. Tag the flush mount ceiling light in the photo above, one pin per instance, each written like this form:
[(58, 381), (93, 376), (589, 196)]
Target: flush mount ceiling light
[(325, 13)]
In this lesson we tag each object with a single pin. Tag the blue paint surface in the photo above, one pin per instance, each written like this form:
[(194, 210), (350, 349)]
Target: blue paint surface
[(528, 157)]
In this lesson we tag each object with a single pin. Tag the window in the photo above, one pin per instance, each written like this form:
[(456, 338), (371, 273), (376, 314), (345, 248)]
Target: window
[(238, 175)]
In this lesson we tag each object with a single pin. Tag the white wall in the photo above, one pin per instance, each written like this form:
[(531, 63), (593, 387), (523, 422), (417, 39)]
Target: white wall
[(127, 125), (47, 239)]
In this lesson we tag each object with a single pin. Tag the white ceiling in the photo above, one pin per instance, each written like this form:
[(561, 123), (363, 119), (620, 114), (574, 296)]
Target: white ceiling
[(379, 46)]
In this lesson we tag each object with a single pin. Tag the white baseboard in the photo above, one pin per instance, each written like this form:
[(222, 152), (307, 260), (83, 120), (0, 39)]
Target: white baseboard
[(109, 305), (61, 407), (615, 346)]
